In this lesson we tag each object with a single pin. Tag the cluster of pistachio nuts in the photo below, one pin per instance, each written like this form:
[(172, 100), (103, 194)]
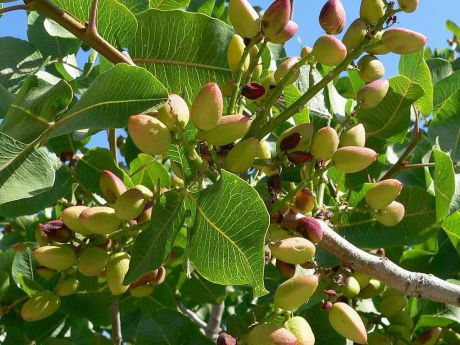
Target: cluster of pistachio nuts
[(79, 244)]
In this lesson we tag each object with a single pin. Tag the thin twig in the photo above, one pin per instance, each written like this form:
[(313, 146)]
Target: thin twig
[(193, 316), (117, 337), (14, 8), (92, 21), (112, 138), (213, 327)]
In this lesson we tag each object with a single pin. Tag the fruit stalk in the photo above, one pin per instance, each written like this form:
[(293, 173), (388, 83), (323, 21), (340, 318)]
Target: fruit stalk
[(117, 337)]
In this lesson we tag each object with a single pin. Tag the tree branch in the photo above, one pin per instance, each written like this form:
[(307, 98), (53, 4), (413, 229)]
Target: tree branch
[(413, 284), (213, 327), (117, 337), (14, 8), (78, 29), (195, 318)]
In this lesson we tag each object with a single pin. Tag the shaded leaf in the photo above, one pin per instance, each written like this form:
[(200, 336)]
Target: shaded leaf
[(444, 183), (147, 171), (445, 89), (169, 5), (439, 69), (451, 226)]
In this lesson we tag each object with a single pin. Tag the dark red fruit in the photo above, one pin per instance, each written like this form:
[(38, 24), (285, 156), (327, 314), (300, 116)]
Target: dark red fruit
[(55, 230), (299, 157), (225, 339), (310, 228), (290, 141), (253, 90)]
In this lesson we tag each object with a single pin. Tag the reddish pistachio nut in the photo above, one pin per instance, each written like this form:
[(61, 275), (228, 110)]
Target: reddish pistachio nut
[(115, 272), (373, 93), (160, 277), (146, 214), (324, 143), (347, 322), (56, 231), (332, 17), (174, 112), (57, 258), (290, 142), (299, 157), (141, 291), (327, 305), (377, 338), (92, 261), (372, 10), (298, 326), (286, 270), (295, 291), (269, 84), (351, 159), (229, 129), (383, 193), (351, 287), (304, 201), (310, 228), (276, 17), (408, 6), (392, 214), (370, 68), (235, 54), (294, 250), (225, 339), (403, 41), (355, 34), (68, 287), (71, 219), (330, 293), (269, 334), (354, 136), (149, 134), (244, 18), (286, 34), (40, 306), (145, 279), (329, 51), (129, 205), (284, 69), (207, 108), (100, 220), (306, 133), (111, 186), (242, 155), (378, 46), (253, 90)]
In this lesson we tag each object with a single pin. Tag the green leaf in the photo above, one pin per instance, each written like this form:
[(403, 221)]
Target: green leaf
[(154, 244), (91, 305), (202, 6), (193, 49), (35, 108), (147, 171), (439, 69), (394, 111), (292, 94), (6, 99), (316, 105), (444, 183), (136, 6), (227, 240), (169, 327), (24, 171), (445, 89), (201, 291), (452, 27), (18, 60), (416, 69), (451, 226), (114, 21), (111, 99), (22, 272), (178, 155), (169, 5)]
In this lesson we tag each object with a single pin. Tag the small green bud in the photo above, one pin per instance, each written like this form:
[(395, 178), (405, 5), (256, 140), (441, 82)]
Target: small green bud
[(175, 111), (355, 34), (284, 68), (92, 261), (207, 108), (351, 159), (276, 17), (329, 51), (392, 214), (351, 287), (393, 302), (295, 291), (149, 134), (377, 338), (305, 131), (383, 193), (70, 217), (374, 288), (403, 41), (115, 272), (294, 250), (242, 155), (298, 326), (354, 136), (332, 17), (68, 287), (235, 53), (58, 258), (111, 186), (373, 93), (141, 291), (244, 18), (129, 205), (347, 322), (229, 129), (40, 306), (100, 220), (372, 10), (408, 6), (370, 68), (324, 144)]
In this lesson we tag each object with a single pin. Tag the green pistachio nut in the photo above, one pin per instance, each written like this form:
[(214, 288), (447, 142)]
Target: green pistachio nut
[(408, 6), (295, 291), (129, 205), (229, 129), (149, 134), (71, 218), (58, 258), (294, 250), (332, 17), (301, 329), (244, 18), (141, 291), (374, 288), (429, 337), (363, 279), (450, 337), (403, 41), (284, 69), (392, 214), (276, 17), (68, 287), (100, 220), (304, 201), (383, 193), (372, 10), (399, 335), (269, 334), (286, 34), (329, 51), (370, 68), (242, 155), (304, 131), (351, 287), (115, 272), (377, 338), (393, 302), (235, 54), (276, 233), (45, 272), (146, 192), (351, 159), (207, 108), (92, 261), (306, 52), (111, 186), (174, 111), (40, 238), (403, 319), (347, 322), (355, 34), (373, 93), (378, 48), (354, 136), (324, 143), (40, 306)]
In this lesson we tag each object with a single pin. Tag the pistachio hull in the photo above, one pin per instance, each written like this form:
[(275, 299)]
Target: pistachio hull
[(229, 129), (295, 291), (347, 322), (329, 51)]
